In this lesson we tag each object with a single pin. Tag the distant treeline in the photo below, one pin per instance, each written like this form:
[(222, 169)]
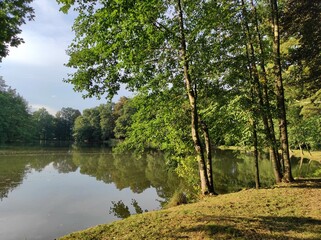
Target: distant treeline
[(19, 124), (139, 121)]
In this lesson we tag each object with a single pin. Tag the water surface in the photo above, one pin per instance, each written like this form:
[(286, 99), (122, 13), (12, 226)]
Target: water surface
[(49, 192)]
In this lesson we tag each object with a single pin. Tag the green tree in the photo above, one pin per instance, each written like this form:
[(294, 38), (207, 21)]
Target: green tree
[(152, 46), (205, 55), (301, 25), (44, 124), (279, 91), (15, 120), (107, 121), (82, 130), (123, 112), (65, 120), (87, 126), (260, 100), (13, 14), (300, 22), (95, 125)]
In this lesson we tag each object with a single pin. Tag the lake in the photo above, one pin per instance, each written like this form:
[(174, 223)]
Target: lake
[(49, 192)]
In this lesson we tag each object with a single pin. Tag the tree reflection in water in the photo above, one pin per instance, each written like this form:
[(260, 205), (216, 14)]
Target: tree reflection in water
[(233, 170), (120, 210)]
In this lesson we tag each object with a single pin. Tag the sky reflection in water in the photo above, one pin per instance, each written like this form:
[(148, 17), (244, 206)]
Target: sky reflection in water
[(51, 202), (49, 193)]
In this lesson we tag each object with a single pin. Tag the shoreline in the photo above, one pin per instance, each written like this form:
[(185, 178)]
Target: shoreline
[(286, 211)]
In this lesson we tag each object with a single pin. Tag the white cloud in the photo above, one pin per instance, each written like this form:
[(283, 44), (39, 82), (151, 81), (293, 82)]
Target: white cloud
[(46, 38), (39, 50), (36, 68), (35, 107)]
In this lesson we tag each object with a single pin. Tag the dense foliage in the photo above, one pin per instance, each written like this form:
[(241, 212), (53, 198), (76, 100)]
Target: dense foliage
[(19, 124), (228, 72), (225, 69), (15, 119), (13, 14)]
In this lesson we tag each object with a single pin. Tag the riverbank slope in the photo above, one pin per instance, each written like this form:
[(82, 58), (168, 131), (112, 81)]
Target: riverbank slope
[(289, 211)]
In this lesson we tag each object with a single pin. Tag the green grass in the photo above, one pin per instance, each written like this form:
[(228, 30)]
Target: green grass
[(289, 211)]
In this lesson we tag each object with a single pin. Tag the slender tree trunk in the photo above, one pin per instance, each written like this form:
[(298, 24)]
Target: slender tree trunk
[(205, 183), (256, 156), (287, 177), (269, 125), (257, 86), (209, 167)]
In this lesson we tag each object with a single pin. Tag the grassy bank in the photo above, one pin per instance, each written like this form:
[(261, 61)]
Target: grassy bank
[(284, 212)]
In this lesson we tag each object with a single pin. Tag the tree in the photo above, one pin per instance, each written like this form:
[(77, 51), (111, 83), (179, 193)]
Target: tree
[(107, 121), (44, 124), (13, 14), (82, 131), (258, 85), (280, 98), (87, 127), (206, 55), (65, 119), (148, 45), (95, 125), (123, 112), (301, 27), (15, 121)]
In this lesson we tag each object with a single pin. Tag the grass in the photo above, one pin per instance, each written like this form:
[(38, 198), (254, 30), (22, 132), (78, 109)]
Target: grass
[(313, 155), (289, 211)]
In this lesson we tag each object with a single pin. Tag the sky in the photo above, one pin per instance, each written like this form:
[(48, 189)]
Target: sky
[(36, 68)]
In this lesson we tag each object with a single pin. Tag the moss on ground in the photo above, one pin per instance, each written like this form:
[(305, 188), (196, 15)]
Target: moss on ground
[(287, 211)]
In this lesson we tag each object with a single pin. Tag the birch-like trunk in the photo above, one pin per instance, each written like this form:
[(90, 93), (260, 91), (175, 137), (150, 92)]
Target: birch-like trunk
[(287, 175), (205, 183), (262, 96)]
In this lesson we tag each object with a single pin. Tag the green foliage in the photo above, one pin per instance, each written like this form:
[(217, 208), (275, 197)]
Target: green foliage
[(87, 126), (164, 126), (129, 29), (119, 209), (304, 131), (122, 113), (15, 120), (65, 119), (301, 22), (13, 14), (230, 63), (107, 121), (95, 125), (44, 124)]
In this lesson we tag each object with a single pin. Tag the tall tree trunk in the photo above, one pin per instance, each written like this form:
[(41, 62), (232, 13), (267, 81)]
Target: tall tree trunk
[(256, 156), (269, 125), (262, 98), (205, 183), (209, 167), (287, 176)]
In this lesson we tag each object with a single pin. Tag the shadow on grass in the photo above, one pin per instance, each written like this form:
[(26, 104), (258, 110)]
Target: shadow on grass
[(303, 183), (285, 228)]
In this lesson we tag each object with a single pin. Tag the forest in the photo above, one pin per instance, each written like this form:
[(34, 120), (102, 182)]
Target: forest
[(204, 73)]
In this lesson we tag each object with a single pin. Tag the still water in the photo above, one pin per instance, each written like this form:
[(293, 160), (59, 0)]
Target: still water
[(49, 192)]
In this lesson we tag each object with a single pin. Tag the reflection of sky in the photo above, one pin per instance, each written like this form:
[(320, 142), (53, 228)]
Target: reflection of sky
[(35, 69), (48, 204)]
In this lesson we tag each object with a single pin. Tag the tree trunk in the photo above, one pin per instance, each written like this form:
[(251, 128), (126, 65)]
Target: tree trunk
[(256, 156), (287, 177), (205, 183), (208, 157), (269, 125), (262, 98)]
